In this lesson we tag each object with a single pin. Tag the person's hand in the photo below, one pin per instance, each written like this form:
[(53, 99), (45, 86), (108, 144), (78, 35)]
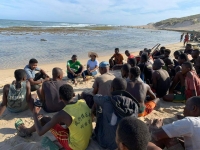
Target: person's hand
[(79, 74), (46, 79), (35, 110), (155, 124)]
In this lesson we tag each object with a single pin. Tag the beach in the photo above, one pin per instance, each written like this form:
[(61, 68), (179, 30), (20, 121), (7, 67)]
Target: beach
[(8, 134)]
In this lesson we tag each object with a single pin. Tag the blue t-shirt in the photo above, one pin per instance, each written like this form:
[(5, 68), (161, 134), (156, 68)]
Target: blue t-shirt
[(30, 73)]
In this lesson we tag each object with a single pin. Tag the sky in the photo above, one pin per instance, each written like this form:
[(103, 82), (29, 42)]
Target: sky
[(114, 12)]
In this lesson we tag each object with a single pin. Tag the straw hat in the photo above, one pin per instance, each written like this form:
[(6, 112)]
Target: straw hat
[(92, 53)]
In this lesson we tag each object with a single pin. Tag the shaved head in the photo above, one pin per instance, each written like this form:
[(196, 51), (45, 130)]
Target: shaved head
[(57, 73)]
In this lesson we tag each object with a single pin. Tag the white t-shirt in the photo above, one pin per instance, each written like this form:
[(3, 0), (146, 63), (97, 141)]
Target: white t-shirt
[(92, 64), (189, 128)]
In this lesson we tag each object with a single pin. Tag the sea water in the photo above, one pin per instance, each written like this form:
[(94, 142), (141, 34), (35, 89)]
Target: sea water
[(17, 49)]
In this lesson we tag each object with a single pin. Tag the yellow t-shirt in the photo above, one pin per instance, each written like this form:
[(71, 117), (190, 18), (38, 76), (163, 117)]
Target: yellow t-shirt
[(80, 129)]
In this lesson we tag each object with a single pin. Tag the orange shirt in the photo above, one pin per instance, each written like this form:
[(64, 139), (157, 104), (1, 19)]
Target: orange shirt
[(118, 58)]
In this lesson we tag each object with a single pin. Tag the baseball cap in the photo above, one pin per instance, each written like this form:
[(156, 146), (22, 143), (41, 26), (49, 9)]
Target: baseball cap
[(104, 64)]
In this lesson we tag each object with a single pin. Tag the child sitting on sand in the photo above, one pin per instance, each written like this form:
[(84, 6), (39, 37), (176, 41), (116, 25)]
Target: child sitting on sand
[(17, 95), (76, 115)]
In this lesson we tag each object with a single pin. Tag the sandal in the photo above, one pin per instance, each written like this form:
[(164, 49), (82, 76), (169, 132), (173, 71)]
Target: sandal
[(19, 123)]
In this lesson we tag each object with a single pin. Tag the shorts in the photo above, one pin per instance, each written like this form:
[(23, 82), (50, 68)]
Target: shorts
[(61, 134), (180, 98), (149, 108)]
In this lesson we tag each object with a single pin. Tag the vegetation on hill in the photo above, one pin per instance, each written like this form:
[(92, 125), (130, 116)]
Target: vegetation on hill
[(172, 21)]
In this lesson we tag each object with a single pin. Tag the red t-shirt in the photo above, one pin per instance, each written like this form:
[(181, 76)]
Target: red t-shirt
[(131, 56), (192, 83)]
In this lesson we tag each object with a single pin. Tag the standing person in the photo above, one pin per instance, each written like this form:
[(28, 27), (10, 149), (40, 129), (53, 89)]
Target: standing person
[(17, 95), (115, 107), (74, 68), (132, 129), (35, 79), (129, 56), (160, 78), (192, 85), (186, 40), (49, 92), (140, 90), (76, 115), (181, 37), (92, 65), (118, 59)]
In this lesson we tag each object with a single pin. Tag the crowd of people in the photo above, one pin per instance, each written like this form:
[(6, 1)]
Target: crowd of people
[(115, 102)]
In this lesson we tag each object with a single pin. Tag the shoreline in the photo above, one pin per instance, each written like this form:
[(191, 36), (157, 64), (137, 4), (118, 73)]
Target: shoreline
[(7, 75)]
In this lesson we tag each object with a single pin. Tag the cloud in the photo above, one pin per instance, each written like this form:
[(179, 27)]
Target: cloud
[(123, 12)]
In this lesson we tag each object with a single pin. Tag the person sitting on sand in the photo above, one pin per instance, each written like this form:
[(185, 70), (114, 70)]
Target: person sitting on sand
[(176, 55), (192, 85), (169, 64), (118, 59), (76, 115), (115, 107), (129, 56), (188, 49), (188, 128), (125, 71), (181, 59), (146, 69), (196, 60), (140, 90), (74, 68), (160, 78), (17, 95), (49, 94), (92, 65), (132, 129), (132, 62), (35, 79)]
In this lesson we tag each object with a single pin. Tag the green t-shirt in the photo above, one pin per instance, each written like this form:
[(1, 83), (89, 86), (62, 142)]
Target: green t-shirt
[(74, 65)]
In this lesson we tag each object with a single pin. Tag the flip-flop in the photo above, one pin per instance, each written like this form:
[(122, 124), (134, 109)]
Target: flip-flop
[(38, 103), (19, 123), (47, 143)]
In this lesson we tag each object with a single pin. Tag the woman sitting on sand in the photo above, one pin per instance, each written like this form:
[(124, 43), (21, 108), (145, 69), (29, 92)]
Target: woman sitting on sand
[(92, 65)]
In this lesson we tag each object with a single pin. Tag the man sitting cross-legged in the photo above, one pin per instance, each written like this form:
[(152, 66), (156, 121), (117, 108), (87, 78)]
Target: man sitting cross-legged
[(49, 92), (192, 85), (160, 78), (17, 95), (115, 107), (133, 134), (140, 90), (76, 115), (188, 128)]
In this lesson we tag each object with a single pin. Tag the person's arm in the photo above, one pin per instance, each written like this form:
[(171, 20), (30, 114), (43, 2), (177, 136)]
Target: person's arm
[(175, 82), (32, 82), (95, 86), (4, 102), (191, 84), (43, 72), (112, 57), (28, 92), (96, 67), (150, 93), (70, 70), (57, 118)]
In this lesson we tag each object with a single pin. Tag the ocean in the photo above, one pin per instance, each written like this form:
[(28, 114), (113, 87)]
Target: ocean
[(16, 49)]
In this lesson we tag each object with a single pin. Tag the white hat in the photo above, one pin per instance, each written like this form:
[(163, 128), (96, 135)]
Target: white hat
[(92, 53)]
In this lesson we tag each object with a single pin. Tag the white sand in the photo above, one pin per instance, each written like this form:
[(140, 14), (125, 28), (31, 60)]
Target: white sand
[(9, 138)]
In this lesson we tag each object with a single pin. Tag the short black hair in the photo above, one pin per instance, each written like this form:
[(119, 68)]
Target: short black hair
[(168, 51), (73, 56), (126, 67), (145, 56), (126, 51), (33, 61), (66, 92), (132, 61), (189, 45), (117, 49), (135, 71), (119, 84), (184, 56), (188, 64), (19, 74), (56, 72), (196, 101), (133, 133), (178, 52), (162, 48)]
